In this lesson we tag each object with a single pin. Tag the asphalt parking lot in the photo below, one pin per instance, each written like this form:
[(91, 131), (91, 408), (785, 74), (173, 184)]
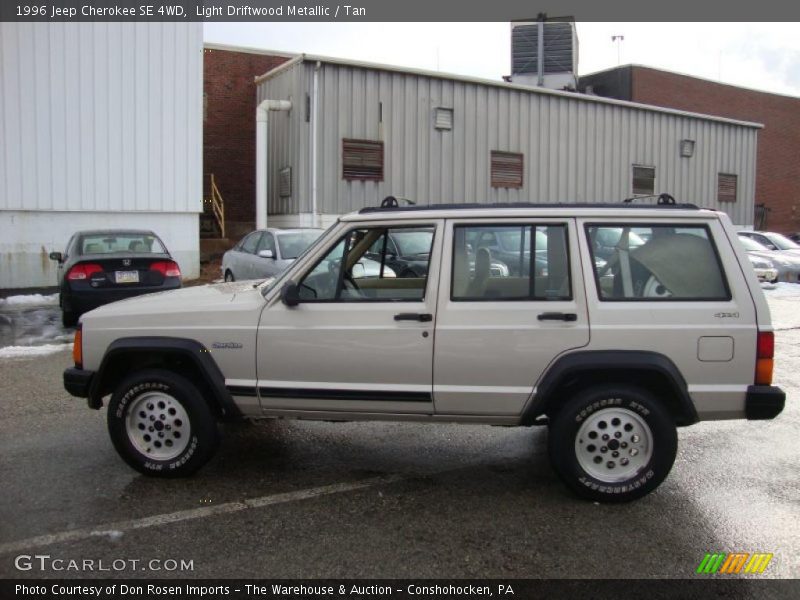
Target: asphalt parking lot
[(303, 499)]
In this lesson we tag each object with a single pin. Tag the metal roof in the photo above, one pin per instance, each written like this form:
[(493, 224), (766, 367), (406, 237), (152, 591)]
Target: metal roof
[(499, 84)]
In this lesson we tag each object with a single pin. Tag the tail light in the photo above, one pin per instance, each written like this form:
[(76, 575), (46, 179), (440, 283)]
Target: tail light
[(168, 268), (765, 352), (77, 347), (83, 271)]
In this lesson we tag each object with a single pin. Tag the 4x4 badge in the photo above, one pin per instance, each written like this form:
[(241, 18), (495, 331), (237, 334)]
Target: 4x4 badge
[(226, 346), (727, 315)]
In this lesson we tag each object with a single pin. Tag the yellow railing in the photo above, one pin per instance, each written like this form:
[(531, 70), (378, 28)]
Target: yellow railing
[(218, 206)]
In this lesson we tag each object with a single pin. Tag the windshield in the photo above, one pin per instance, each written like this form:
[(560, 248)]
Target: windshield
[(410, 243), (111, 243), (781, 241), (292, 245), (752, 245)]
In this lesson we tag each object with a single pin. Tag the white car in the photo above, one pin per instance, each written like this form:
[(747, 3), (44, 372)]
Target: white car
[(612, 353)]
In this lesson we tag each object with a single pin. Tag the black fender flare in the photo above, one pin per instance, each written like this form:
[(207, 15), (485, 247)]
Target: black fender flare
[(575, 364), (212, 378)]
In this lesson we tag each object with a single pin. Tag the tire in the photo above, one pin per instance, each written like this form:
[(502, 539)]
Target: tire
[(69, 318), (188, 436), (640, 431), (229, 277)]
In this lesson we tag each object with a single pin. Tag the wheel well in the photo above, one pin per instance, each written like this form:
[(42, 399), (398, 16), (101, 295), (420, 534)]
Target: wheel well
[(122, 364), (652, 380)]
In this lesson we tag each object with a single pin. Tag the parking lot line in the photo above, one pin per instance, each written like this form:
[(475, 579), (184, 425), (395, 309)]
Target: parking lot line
[(120, 527)]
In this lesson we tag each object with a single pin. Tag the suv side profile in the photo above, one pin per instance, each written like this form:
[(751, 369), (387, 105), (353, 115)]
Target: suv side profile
[(612, 353)]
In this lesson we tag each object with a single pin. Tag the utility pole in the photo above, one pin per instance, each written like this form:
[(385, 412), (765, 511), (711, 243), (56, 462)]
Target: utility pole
[(617, 39)]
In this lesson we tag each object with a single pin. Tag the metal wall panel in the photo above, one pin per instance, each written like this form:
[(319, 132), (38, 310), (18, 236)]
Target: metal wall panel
[(101, 117), (576, 149)]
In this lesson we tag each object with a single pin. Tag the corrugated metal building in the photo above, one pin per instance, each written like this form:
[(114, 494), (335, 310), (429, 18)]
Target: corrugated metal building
[(101, 126), (358, 132)]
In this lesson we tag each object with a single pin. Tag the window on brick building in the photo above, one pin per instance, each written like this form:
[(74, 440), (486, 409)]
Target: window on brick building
[(362, 160), (726, 187), (506, 168), (644, 180)]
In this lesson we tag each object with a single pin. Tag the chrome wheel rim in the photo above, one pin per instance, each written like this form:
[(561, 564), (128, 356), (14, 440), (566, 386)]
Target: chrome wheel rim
[(613, 445), (158, 426)]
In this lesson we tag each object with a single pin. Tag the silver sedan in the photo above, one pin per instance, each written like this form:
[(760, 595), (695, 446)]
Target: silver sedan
[(786, 265), (266, 252)]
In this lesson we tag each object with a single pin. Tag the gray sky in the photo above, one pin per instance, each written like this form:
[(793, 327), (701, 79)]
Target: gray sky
[(764, 56)]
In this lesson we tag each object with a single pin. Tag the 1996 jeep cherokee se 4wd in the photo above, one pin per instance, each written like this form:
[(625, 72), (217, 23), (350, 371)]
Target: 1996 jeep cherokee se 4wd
[(614, 352)]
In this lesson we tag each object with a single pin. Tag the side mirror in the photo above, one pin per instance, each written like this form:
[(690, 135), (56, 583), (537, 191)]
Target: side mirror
[(290, 296), (57, 256), (266, 254)]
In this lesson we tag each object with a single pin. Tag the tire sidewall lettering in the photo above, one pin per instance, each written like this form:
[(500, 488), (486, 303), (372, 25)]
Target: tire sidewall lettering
[(135, 391)]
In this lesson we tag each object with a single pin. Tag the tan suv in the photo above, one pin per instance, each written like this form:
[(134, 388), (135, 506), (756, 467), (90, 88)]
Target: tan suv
[(610, 324)]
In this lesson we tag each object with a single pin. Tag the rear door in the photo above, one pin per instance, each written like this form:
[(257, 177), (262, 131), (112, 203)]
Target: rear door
[(504, 316)]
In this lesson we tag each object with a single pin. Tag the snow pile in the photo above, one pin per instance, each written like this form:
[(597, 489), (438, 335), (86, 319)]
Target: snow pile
[(32, 351), (783, 290), (29, 300)]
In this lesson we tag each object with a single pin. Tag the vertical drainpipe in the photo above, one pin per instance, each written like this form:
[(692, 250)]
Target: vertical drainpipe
[(262, 156), (314, 145), (540, 50)]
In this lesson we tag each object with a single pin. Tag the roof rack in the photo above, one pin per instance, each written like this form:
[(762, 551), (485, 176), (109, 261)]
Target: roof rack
[(391, 207)]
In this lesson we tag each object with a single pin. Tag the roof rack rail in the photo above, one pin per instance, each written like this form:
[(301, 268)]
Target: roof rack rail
[(667, 203), (664, 199), (394, 202)]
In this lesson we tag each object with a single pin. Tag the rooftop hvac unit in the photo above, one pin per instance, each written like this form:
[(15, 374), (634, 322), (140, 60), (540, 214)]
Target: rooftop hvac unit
[(544, 53)]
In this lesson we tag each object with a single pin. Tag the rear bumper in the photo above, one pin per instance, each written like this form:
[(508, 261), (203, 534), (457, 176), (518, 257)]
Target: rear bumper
[(764, 402), (86, 299), (78, 382)]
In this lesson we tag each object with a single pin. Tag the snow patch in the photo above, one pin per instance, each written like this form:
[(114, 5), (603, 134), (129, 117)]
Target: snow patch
[(783, 290), (30, 300), (32, 351)]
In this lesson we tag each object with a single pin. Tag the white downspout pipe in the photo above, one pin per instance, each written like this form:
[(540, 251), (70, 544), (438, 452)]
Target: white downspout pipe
[(262, 156), (314, 147)]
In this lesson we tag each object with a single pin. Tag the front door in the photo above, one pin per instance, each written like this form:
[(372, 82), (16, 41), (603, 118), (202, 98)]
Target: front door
[(511, 301), (361, 339)]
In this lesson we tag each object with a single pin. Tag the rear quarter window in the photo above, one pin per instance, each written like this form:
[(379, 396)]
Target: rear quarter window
[(666, 262)]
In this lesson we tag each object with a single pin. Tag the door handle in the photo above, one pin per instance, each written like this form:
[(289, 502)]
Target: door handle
[(422, 317), (557, 316)]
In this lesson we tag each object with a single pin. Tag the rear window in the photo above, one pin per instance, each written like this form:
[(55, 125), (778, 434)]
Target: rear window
[(113, 243), (656, 262)]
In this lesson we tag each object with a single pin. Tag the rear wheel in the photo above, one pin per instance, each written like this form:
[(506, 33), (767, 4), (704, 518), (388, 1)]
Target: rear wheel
[(161, 425), (229, 276), (69, 318), (613, 443)]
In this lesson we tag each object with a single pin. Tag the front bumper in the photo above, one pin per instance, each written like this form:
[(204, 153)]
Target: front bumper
[(764, 402), (78, 382)]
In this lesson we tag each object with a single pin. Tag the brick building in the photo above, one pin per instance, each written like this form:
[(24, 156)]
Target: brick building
[(778, 157), (229, 143)]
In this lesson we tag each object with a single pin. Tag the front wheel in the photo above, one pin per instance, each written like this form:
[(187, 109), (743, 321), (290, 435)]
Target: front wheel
[(161, 425), (229, 276), (613, 443)]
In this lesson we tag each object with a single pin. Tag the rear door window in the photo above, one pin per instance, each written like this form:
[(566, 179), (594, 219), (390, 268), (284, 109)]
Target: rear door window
[(510, 262)]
